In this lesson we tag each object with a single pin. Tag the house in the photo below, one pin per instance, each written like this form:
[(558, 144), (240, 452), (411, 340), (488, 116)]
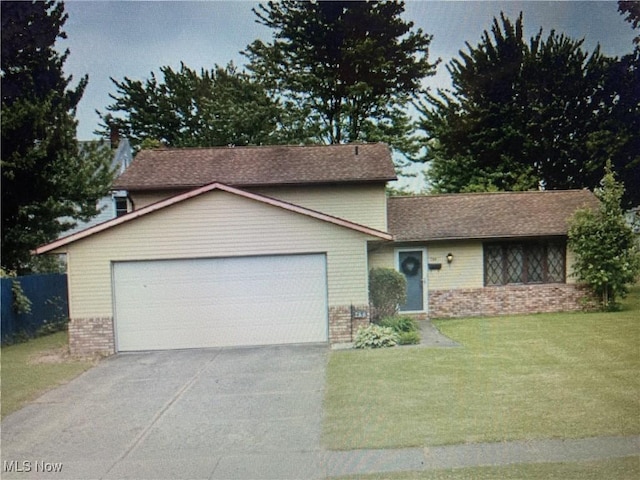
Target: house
[(115, 204), (484, 253), (270, 245)]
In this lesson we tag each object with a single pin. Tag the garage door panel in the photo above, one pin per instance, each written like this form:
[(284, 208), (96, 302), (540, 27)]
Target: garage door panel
[(220, 302), (166, 337)]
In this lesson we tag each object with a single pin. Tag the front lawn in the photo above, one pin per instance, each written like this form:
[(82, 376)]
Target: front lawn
[(566, 375), (29, 369)]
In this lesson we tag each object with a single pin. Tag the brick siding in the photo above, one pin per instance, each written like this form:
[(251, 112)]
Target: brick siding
[(507, 300), (91, 336), (343, 325)]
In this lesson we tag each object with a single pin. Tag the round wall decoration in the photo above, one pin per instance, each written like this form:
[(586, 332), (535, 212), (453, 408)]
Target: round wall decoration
[(410, 266)]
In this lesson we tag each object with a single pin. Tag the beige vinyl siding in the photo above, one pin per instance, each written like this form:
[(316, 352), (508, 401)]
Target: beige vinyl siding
[(467, 268), (465, 271), (382, 256), (215, 224), (142, 199), (361, 204)]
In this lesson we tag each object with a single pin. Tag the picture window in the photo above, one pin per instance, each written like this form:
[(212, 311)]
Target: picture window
[(508, 263)]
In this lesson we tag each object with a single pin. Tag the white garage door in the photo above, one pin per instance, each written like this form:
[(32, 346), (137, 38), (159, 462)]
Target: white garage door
[(220, 302)]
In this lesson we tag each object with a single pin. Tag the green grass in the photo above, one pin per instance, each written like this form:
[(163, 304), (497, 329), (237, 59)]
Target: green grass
[(566, 375), (30, 369), (617, 468)]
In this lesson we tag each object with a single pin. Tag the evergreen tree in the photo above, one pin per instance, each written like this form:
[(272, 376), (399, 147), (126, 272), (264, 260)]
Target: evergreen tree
[(45, 177), (353, 67), (187, 108), (619, 137), (476, 133), (625, 80), (526, 114), (631, 10)]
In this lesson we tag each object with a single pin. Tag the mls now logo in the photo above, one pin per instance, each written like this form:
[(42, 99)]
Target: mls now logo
[(27, 466)]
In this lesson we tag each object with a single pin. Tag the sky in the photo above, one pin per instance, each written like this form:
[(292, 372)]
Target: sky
[(132, 39)]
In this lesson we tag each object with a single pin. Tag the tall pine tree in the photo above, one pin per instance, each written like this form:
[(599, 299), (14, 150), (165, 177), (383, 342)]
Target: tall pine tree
[(476, 133), (353, 67), (45, 176), (187, 108), (526, 113)]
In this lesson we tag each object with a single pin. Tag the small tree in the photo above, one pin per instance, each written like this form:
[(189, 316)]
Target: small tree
[(387, 290), (607, 258)]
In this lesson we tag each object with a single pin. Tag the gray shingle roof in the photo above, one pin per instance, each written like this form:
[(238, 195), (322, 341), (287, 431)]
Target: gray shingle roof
[(485, 215), (187, 168)]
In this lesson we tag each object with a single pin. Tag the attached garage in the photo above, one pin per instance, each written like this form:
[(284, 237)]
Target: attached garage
[(215, 302), (216, 266)]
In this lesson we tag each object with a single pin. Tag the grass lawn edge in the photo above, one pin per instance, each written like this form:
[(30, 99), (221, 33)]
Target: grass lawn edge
[(32, 368), (509, 367)]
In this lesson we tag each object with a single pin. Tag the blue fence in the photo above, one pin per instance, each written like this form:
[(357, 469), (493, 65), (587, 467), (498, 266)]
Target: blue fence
[(49, 304)]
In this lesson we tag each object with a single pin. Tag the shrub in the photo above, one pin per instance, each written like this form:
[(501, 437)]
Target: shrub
[(606, 257), (21, 303), (400, 324), (387, 290), (408, 338), (375, 336), (406, 329)]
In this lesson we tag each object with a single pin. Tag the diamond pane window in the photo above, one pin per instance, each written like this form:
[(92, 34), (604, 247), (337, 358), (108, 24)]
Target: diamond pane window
[(535, 264), (527, 262), (515, 262), (493, 265), (555, 263)]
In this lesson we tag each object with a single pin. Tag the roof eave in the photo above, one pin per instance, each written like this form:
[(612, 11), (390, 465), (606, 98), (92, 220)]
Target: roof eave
[(176, 186), (400, 238)]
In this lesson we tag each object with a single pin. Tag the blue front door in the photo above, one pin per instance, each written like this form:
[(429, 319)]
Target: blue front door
[(411, 265)]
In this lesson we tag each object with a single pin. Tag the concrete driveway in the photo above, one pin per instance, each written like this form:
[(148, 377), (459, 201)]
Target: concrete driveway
[(215, 413)]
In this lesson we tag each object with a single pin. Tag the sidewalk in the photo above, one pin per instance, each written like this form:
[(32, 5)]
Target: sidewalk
[(356, 462), (430, 336)]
